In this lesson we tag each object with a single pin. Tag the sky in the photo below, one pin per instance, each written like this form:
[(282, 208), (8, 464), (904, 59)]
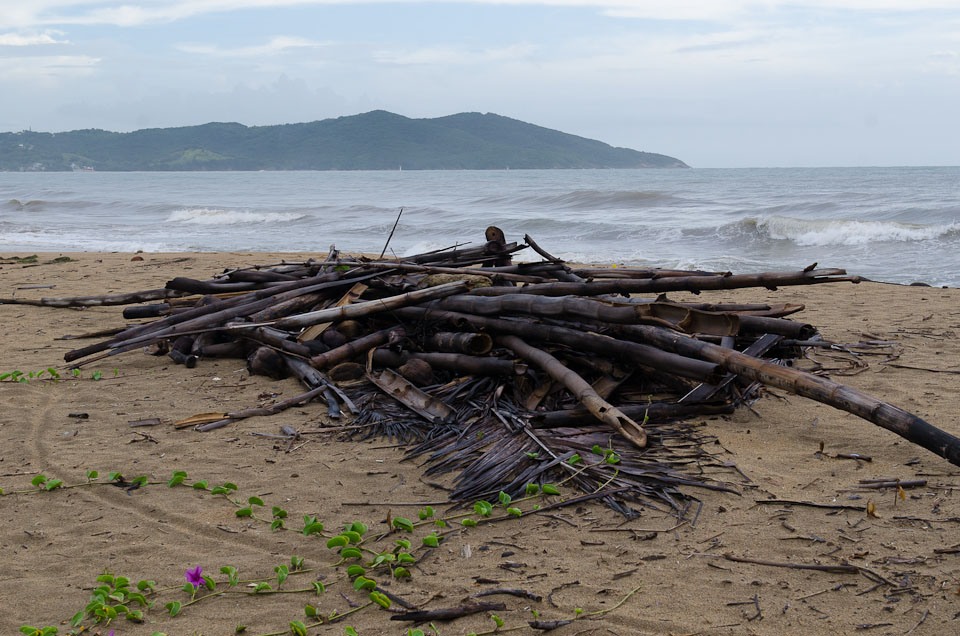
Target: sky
[(716, 83)]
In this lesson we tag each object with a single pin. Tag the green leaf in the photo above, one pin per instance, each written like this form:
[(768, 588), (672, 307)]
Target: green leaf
[(310, 610), (311, 525), (483, 508), (209, 583), (401, 573), (279, 513), (363, 583), (405, 557), (504, 498), (296, 562), (261, 587), (356, 570), (359, 528), (318, 587), (403, 543), (219, 490), (426, 513), (612, 458), (136, 597), (314, 528), (77, 618), (39, 479), (550, 489), (440, 523), (403, 524), (431, 540), (532, 489), (174, 607), (516, 512), (116, 476), (468, 522), (92, 474), (53, 483), (531, 455), (231, 573), (230, 485), (574, 458), (337, 542), (497, 620), (351, 553), (352, 537), (349, 631), (380, 599), (245, 512), (298, 629), (255, 501), (176, 480), (146, 585), (135, 616), (140, 481), (105, 578), (200, 485), (98, 375), (30, 630), (282, 571), (597, 449), (277, 524)]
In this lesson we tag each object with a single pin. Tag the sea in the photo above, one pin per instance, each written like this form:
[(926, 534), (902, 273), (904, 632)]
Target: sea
[(888, 224)]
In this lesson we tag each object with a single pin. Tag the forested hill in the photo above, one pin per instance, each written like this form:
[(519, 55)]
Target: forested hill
[(377, 140)]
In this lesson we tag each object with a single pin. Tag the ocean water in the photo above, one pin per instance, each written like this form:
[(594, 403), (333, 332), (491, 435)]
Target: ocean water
[(889, 224)]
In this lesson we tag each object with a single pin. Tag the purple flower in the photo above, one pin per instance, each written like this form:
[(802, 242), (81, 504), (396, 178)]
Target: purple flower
[(194, 577)]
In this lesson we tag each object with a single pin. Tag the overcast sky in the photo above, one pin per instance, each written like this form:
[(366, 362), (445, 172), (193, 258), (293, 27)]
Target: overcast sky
[(717, 83)]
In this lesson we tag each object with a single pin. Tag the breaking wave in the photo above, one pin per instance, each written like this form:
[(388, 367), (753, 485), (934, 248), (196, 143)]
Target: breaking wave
[(811, 232), (214, 216)]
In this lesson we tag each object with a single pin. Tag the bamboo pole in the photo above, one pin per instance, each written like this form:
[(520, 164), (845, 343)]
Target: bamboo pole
[(892, 418), (633, 352), (769, 280), (581, 389)]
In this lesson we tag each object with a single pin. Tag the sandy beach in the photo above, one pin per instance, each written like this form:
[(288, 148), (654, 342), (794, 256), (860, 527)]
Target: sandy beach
[(53, 545)]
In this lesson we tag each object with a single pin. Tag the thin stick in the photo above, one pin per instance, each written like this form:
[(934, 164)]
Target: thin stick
[(791, 502), (835, 569), (384, 251)]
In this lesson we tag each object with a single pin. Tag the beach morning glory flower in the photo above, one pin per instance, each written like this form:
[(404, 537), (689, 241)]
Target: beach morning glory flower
[(194, 576)]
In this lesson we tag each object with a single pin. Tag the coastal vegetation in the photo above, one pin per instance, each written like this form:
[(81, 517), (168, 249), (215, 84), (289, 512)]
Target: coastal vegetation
[(377, 140)]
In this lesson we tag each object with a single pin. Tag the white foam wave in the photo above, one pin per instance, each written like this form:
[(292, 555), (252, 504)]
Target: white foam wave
[(849, 231), (52, 242), (215, 216)]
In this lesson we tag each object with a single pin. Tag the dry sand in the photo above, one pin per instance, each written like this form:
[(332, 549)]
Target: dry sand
[(53, 545)]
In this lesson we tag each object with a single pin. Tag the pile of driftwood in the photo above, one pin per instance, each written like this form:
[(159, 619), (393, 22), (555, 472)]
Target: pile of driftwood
[(507, 373)]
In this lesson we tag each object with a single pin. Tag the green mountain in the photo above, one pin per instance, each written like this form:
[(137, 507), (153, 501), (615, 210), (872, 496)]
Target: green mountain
[(377, 140)]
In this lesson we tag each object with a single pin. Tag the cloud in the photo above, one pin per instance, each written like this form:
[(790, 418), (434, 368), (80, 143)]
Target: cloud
[(449, 55), (47, 67), (275, 46), (32, 39), (26, 14)]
